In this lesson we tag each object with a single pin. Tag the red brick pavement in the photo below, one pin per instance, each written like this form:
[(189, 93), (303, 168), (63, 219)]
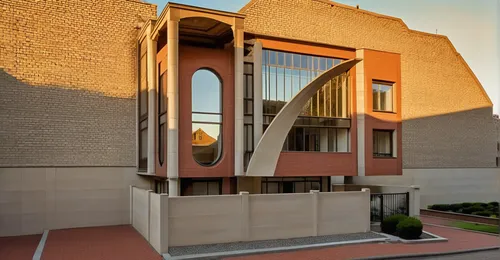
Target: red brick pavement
[(98, 243), (18, 248), (457, 240)]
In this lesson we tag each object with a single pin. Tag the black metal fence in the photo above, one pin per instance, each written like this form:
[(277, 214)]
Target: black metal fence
[(388, 204)]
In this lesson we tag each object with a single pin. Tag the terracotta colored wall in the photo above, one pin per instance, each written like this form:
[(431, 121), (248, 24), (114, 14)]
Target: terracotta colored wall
[(319, 164), (315, 164), (383, 66), (221, 61), (161, 60)]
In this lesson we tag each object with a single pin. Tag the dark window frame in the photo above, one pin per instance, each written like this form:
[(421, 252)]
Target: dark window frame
[(280, 181), (377, 154), (186, 182), (248, 97), (142, 117), (220, 114), (162, 114)]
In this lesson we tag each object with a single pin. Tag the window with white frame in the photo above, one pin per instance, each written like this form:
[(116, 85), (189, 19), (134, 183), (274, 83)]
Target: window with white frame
[(382, 93)]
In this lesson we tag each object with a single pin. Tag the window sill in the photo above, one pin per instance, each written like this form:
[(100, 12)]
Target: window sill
[(316, 152), (383, 111), (384, 158)]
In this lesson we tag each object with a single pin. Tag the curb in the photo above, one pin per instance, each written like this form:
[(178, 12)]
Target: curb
[(396, 239), (430, 254), (461, 229), (273, 250)]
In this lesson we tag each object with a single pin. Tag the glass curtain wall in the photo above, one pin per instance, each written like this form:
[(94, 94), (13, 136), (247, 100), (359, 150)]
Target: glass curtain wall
[(323, 125)]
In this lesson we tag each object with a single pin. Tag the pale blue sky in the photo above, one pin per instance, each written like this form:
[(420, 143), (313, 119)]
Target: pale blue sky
[(472, 26)]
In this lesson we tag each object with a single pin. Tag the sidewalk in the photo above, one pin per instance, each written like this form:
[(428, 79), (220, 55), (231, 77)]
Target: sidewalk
[(98, 243), (457, 240), (19, 248), (123, 242)]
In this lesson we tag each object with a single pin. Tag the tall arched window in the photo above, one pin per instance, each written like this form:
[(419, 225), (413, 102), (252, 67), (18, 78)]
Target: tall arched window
[(206, 107)]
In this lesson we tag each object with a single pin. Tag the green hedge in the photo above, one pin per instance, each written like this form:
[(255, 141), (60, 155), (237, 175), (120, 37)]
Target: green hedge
[(409, 228), (474, 208), (389, 224)]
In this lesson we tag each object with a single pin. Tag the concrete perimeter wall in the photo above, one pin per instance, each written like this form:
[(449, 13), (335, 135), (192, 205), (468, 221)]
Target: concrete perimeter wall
[(35, 199), (194, 220), (447, 185)]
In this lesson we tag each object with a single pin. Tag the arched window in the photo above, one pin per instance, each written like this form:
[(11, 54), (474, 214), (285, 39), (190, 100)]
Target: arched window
[(206, 107)]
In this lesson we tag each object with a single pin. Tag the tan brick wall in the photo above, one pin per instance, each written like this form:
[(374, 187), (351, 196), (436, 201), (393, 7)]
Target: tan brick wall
[(438, 87), (68, 81)]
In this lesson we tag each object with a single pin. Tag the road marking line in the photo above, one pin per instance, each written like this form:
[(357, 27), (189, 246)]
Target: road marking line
[(41, 245)]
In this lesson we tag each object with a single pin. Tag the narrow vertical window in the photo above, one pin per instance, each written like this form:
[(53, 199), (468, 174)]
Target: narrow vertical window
[(248, 111), (143, 107), (206, 107), (162, 116)]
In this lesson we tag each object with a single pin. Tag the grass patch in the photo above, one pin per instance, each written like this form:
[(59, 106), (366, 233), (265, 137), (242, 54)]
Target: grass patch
[(476, 227)]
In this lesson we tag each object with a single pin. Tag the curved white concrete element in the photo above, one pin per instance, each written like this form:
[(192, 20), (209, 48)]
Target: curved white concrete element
[(267, 152)]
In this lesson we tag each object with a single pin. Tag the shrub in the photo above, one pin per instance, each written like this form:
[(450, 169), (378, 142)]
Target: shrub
[(466, 204), (493, 203), (409, 228), (456, 207), (485, 213), (481, 204), (473, 208), (492, 208), (389, 224), (440, 207)]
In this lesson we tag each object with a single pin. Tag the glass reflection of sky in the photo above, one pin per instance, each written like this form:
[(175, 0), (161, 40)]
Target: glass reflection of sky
[(206, 97)]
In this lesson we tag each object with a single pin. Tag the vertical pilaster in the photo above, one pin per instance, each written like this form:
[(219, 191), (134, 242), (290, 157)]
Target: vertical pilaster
[(151, 70), (366, 191), (414, 208), (315, 205), (257, 92), (238, 102), (360, 108), (173, 106), (245, 216)]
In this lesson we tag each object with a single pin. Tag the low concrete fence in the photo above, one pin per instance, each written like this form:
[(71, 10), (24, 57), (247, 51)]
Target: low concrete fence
[(194, 220), (413, 190), (459, 216)]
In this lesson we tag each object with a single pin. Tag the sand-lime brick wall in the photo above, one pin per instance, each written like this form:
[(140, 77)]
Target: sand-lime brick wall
[(68, 81), (446, 112)]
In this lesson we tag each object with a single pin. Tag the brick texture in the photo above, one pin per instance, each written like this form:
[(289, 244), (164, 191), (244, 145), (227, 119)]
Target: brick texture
[(446, 113), (68, 81)]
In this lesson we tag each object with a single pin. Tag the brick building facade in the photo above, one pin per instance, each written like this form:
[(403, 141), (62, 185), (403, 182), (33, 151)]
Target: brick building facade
[(99, 95)]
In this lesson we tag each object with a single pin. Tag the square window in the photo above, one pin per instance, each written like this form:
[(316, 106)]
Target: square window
[(382, 143), (382, 94)]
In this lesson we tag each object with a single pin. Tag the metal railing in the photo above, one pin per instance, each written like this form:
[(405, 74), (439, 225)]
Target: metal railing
[(387, 204)]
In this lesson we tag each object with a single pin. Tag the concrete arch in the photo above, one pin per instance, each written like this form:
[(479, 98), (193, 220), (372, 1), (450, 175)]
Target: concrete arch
[(267, 152)]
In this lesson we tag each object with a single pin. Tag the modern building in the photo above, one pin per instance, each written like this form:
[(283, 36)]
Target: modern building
[(281, 97)]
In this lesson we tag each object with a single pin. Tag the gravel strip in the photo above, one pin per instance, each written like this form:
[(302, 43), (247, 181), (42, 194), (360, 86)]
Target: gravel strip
[(263, 244)]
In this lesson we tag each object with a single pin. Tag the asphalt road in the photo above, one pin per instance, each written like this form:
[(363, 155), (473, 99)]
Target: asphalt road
[(484, 255)]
